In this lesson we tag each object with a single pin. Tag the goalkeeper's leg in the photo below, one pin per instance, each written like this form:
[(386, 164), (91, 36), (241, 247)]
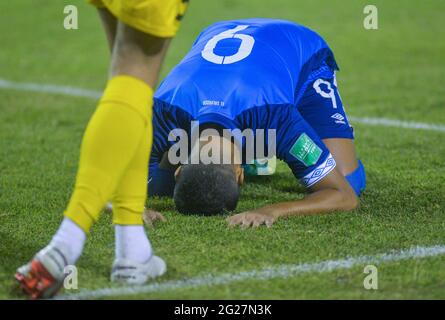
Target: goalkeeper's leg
[(111, 141), (134, 261), (121, 121)]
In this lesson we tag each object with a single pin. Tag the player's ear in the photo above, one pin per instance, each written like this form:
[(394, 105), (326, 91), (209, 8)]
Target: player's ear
[(178, 173)]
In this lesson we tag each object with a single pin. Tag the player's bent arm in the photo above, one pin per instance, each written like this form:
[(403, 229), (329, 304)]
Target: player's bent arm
[(331, 194)]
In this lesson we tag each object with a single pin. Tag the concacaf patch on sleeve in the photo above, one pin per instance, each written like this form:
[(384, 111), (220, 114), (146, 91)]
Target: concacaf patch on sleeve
[(306, 150)]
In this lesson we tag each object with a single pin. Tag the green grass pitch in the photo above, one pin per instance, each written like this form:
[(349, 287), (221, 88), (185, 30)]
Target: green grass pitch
[(395, 72)]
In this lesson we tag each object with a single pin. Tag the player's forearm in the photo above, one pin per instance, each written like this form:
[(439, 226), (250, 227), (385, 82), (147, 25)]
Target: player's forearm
[(321, 201)]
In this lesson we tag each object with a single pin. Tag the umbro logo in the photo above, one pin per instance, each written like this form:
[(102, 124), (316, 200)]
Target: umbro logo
[(338, 118)]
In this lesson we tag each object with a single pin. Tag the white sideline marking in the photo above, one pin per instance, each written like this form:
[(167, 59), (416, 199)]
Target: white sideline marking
[(49, 88), (398, 123), (281, 271), (85, 93)]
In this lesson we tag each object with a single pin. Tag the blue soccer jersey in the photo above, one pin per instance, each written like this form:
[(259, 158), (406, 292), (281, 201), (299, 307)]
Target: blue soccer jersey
[(249, 74)]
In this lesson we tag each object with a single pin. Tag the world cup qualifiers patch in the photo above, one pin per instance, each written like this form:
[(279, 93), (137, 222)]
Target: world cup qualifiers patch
[(306, 150)]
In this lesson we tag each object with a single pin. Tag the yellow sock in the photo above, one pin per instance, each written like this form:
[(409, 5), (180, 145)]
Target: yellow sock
[(131, 193), (113, 138)]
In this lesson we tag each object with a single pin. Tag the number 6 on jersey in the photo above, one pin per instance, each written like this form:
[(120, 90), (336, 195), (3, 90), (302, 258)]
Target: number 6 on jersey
[(243, 52)]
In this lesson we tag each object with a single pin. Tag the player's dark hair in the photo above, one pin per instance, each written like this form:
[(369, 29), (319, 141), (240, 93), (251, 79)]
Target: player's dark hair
[(206, 189)]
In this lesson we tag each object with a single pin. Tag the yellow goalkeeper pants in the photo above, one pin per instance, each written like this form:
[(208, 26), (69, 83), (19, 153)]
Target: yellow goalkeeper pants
[(114, 155)]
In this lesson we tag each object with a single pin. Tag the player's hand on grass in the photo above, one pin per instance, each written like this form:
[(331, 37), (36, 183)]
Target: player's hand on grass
[(251, 219), (151, 216)]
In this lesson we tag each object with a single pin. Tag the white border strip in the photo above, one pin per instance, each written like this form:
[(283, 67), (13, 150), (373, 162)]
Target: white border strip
[(85, 93), (281, 271)]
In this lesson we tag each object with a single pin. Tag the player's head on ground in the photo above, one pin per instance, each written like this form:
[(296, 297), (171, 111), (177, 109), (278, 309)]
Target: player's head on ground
[(206, 189), (212, 188)]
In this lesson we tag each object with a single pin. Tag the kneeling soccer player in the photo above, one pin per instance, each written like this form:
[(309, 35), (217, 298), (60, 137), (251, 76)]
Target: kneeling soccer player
[(115, 150), (256, 74)]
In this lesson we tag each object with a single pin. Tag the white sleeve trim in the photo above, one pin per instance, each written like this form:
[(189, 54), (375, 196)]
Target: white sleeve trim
[(320, 172)]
